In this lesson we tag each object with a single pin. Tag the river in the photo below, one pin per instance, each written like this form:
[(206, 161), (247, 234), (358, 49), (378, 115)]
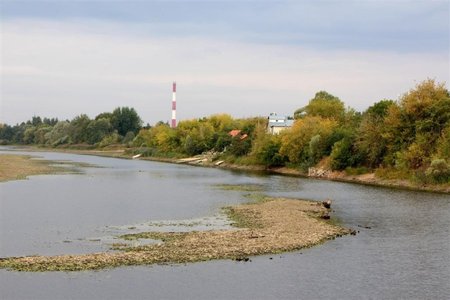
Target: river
[(402, 249)]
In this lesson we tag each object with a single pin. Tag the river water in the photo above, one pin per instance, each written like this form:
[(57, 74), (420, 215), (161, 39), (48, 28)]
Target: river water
[(402, 249)]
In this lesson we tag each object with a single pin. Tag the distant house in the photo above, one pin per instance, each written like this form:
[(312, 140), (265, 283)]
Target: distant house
[(237, 133), (278, 123)]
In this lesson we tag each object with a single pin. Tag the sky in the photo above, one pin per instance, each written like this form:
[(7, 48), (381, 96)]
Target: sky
[(63, 58)]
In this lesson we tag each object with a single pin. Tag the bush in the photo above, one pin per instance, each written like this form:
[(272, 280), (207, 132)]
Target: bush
[(129, 137), (439, 171), (356, 171), (341, 155), (113, 138)]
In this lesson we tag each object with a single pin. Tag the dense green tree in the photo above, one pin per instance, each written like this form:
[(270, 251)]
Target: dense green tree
[(196, 136), (97, 130), (240, 146), (50, 122), (221, 140), (40, 134), (28, 136), (414, 125), (266, 148), (78, 132), (443, 144), (125, 119), (343, 154), (59, 134), (370, 141), (6, 133), (104, 115), (36, 121)]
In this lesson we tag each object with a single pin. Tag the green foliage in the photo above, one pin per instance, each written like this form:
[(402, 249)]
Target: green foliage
[(240, 147), (416, 124), (222, 122), (266, 147), (371, 141), (59, 134), (222, 141), (28, 136), (111, 139), (295, 143), (196, 136), (443, 144), (125, 119), (78, 129), (97, 130), (163, 138), (40, 134), (439, 171), (379, 109), (356, 171), (128, 138), (408, 138), (323, 105), (342, 155)]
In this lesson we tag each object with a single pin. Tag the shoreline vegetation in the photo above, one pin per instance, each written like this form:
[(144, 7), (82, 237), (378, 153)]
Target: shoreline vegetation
[(396, 143), (267, 226), (208, 160)]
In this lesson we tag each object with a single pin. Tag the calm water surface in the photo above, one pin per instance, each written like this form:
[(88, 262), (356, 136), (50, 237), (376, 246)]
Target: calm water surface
[(402, 250)]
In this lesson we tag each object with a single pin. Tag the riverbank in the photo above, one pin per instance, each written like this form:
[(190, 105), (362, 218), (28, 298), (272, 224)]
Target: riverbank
[(206, 160), (272, 225), (317, 173)]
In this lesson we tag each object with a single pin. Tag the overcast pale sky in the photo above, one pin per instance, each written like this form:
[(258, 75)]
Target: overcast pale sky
[(61, 58)]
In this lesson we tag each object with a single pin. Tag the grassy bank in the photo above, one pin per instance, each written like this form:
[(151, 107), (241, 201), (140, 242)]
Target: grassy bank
[(269, 226), (14, 167)]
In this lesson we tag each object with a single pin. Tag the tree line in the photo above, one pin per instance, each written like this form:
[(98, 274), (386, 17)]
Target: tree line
[(408, 138), (120, 126)]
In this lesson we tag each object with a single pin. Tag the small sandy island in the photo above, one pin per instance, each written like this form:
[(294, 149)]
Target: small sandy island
[(14, 167), (271, 225), (267, 225), (17, 167)]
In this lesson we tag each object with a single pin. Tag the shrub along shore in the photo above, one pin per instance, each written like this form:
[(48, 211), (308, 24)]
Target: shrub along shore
[(209, 160), (403, 142)]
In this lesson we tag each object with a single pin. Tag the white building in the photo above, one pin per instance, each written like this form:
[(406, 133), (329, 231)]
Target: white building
[(278, 123)]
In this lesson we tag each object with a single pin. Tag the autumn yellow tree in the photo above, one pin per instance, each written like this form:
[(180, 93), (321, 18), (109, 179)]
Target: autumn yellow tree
[(416, 124), (323, 105), (296, 142)]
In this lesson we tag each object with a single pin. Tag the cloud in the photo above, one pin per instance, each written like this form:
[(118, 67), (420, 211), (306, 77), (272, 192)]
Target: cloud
[(401, 25), (62, 69)]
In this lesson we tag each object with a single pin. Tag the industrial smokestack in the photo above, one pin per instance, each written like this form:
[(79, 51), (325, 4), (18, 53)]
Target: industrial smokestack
[(174, 105)]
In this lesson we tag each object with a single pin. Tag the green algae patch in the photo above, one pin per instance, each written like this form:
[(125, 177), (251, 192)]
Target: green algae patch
[(273, 226), (154, 235), (241, 187)]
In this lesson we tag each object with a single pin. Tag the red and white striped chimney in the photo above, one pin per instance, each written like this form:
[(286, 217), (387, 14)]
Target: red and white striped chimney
[(174, 105)]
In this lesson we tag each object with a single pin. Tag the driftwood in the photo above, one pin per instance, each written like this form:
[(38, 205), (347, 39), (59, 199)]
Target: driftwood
[(326, 203)]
